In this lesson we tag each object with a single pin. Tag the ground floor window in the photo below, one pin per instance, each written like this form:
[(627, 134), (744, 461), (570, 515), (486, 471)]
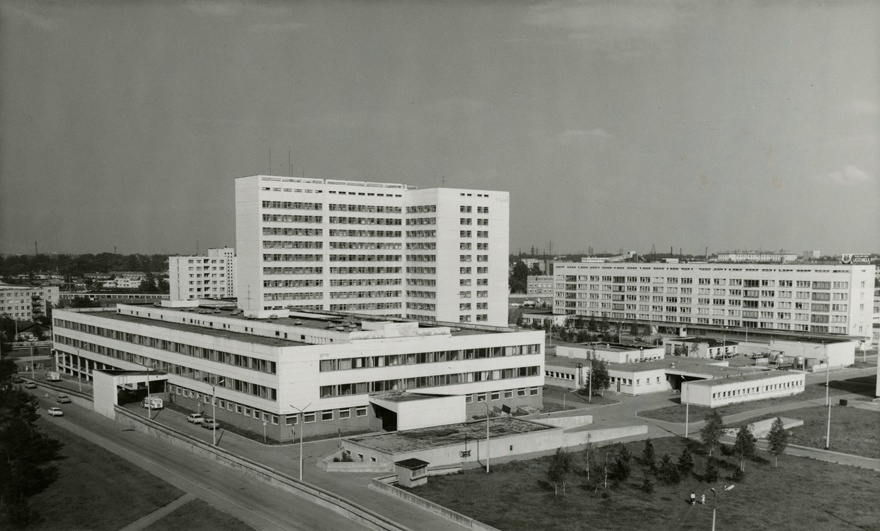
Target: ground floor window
[(327, 415), (309, 417), (361, 411), (344, 413)]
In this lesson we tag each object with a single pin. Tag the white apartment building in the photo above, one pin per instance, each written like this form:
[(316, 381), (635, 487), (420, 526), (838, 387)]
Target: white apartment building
[(334, 366), (202, 277), (762, 300), (539, 285), (437, 254), (25, 303)]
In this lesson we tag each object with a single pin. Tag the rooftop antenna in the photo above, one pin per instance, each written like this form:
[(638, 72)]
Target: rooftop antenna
[(289, 174), (443, 181), (270, 161)]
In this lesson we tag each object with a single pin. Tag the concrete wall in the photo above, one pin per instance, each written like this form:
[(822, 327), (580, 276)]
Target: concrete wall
[(105, 394), (430, 412), (386, 485), (565, 422)]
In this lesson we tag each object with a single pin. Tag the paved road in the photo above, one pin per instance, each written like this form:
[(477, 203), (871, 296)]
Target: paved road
[(257, 504)]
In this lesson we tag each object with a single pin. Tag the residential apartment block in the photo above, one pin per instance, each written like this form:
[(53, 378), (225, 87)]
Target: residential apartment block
[(332, 365), (25, 303), (777, 299), (202, 277), (381, 249), (539, 285)]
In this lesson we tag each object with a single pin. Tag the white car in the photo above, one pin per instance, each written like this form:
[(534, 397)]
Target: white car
[(56, 412), (195, 418), (210, 424)]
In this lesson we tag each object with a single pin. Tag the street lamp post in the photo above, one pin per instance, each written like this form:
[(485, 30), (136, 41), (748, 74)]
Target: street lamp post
[(79, 370), (827, 396), (149, 396), (687, 410), (302, 430), (487, 436), (214, 409), (715, 505)]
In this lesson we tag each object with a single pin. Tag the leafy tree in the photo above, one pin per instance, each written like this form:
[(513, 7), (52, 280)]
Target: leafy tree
[(712, 430), (712, 470), (560, 468), (591, 324), (535, 270), (27, 455), (8, 370), (649, 457), (634, 329), (599, 376), (589, 458), (744, 446), (778, 439), (668, 470), (685, 462), (518, 280)]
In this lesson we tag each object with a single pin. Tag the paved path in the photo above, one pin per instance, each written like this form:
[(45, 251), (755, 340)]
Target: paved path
[(159, 514)]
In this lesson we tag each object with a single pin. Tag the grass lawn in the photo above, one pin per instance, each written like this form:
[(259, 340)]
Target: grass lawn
[(800, 494), (198, 516), (676, 413), (98, 490), (853, 431)]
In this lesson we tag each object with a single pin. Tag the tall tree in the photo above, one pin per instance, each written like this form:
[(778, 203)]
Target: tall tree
[(622, 467), (648, 456), (744, 446), (778, 439), (712, 430), (668, 470), (518, 280), (712, 470), (599, 376), (685, 462), (560, 468)]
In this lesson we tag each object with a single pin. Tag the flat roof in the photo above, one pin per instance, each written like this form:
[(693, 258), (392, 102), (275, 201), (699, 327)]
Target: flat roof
[(448, 435), (403, 396), (763, 375), (671, 364), (195, 329)]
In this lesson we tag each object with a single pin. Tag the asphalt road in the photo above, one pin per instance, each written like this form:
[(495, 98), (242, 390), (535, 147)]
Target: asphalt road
[(259, 505)]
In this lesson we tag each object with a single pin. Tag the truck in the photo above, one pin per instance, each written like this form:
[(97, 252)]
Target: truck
[(153, 402), (53, 376)]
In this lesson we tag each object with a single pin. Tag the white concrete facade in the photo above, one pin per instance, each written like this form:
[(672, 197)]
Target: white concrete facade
[(270, 366), (724, 391), (610, 353), (801, 300), (372, 248), (24, 303), (202, 277)]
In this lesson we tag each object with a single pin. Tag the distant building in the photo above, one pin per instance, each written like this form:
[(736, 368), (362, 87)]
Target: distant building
[(540, 285), (202, 277), (757, 256), (812, 255), (26, 303), (761, 300)]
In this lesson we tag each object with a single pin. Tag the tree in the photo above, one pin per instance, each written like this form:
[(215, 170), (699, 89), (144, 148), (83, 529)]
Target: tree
[(668, 471), (560, 468), (591, 324), (712, 470), (518, 280), (647, 484), (622, 466), (712, 430), (649, 457), (778, 439), (599, 376), (744, 446), (588, 458), (685, 462), (27, 456)]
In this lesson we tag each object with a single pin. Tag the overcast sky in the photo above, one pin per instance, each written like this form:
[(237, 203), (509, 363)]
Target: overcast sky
[(612, 125)]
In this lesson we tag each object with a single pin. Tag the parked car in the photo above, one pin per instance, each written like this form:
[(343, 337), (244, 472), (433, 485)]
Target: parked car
[(30, 385), (210, 423), (63, 399), (56, 412), (195, 418)]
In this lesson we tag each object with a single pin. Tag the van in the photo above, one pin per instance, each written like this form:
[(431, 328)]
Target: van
[(153, 402), (53, 376)]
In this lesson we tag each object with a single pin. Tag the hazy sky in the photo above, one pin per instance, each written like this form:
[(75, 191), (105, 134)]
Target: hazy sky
[(732, 125)]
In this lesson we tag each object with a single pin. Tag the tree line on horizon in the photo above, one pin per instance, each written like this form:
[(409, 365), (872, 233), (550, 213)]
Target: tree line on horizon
[(78, 265)]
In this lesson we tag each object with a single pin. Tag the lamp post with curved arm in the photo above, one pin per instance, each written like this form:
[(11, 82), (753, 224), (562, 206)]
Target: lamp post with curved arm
[(302, 430), (715, 499), (486, 403)]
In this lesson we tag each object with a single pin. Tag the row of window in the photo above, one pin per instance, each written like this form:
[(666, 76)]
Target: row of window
[(365, 306), (359, 233), (294, 205), (194, 351), (233, 384), (365, 208), (443, 356), (434, 380), (759, 389)]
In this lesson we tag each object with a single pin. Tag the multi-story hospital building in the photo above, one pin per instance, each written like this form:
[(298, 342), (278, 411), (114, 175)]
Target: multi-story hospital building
[(382, 249), (332, 366)]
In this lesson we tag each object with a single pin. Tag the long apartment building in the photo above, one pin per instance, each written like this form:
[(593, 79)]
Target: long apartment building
[(382, 249), (27, 302), (327, 365), (202, 277), (778, 299)]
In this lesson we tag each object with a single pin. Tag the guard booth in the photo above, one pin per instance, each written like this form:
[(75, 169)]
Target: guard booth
[(411, 472), (116, 387)]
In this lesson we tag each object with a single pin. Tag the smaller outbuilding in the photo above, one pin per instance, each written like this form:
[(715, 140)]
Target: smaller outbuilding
[(744, 388), (411, 472)]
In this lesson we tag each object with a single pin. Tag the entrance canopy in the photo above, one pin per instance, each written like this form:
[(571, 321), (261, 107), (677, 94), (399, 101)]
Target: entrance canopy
[(107, 384), (413, 410)]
